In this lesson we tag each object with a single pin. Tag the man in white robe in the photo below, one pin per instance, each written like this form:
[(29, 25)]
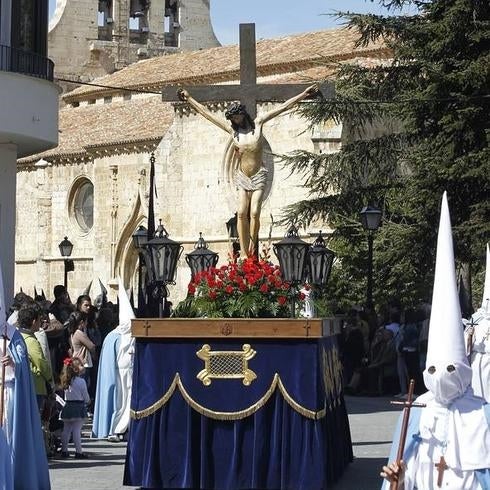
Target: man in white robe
[(477, 341), (448, 441)]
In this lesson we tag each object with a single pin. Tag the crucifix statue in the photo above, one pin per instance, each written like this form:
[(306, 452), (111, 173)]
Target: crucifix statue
[(246, 129)]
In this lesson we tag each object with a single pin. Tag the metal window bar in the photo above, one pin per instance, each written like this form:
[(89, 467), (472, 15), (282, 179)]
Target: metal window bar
[(25, 62)]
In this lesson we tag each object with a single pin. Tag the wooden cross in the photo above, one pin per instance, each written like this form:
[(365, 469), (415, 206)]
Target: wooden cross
[(441, 467), (307, 327), (248, 92), (146, 326), (469, 342), (407, 405)]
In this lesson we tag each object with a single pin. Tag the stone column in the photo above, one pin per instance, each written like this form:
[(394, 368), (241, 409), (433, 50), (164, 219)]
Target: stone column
[(120, 33), (8, 178)]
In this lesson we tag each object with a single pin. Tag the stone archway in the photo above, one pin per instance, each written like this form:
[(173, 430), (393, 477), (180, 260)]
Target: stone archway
[(126, 256)]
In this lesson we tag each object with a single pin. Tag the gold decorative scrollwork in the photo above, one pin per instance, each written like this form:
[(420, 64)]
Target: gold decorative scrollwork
[(226, 364)]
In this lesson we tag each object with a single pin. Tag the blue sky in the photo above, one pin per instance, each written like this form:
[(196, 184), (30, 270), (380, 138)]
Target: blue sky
[(275, 18)]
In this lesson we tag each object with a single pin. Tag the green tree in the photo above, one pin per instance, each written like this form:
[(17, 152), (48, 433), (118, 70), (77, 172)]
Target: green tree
[(414, 127)]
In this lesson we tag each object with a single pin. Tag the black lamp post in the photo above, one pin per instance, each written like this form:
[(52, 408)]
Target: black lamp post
[(201, 258), (320, 260), (140, 237), (370, 220), (161, 257), (292, 254), (66, 248)]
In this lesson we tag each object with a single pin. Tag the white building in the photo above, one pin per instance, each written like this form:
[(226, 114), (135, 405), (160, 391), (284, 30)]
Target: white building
[(28, 108)]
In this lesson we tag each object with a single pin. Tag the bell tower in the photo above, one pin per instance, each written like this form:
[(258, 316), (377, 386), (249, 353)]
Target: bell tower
[(91, 38)]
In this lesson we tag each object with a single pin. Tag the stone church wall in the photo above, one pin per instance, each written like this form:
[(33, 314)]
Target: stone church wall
[(192, 197)]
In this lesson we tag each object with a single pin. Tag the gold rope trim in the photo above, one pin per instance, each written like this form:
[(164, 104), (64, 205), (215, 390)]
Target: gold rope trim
[(241, 414), (139, 414), (295, 405)]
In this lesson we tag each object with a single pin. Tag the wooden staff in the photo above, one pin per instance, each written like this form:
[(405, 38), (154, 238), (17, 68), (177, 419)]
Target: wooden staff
[(407, 405), (469, 342), (2, 390)]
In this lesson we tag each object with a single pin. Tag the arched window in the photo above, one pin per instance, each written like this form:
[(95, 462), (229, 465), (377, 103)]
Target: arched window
[(81, 204)]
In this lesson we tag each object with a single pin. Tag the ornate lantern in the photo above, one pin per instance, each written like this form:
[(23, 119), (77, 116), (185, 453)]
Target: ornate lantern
[(320, 260), (201, 258), (161, 256), (292, 253), (140, 237)]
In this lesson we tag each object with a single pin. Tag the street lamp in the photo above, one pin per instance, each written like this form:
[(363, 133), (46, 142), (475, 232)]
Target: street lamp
[(370, 220), (292, 254), (161, 256), (66, 248), (320, 260), (140, 237), (201, 258)]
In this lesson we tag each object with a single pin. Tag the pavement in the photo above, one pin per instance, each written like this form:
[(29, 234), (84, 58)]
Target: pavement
[(372, 422)]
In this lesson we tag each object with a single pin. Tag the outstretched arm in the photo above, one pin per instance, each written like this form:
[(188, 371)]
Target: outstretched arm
[(311, 90), (200, 109)]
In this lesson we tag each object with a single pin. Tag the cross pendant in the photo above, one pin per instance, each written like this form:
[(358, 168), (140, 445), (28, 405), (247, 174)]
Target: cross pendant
[(441, 467)]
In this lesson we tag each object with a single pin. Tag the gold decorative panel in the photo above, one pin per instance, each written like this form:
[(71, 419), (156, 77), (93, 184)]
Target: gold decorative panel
[(226, 364)]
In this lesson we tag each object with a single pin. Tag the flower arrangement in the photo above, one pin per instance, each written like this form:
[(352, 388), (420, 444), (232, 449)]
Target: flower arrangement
[(248, 288)]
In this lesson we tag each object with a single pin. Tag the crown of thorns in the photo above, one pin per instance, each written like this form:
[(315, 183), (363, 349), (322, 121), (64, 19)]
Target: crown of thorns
[(235, 109)]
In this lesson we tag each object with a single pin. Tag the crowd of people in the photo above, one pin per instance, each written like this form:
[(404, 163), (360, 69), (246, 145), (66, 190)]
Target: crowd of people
[(49, 358), (381, 353)]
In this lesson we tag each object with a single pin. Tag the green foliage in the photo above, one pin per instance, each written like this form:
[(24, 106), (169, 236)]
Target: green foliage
[(412, 129)]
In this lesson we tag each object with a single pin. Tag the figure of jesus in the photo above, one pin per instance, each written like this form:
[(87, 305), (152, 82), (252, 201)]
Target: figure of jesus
[(251, 175)]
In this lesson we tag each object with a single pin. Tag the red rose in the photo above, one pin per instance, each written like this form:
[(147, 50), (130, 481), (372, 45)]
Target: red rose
[(212, 294), (191, 288), (242, 287), (229, 289), (264, 288), (282, 300), (302, 296)]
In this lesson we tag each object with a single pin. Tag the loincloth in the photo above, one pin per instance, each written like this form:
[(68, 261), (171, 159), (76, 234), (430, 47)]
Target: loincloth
[(257, 182)]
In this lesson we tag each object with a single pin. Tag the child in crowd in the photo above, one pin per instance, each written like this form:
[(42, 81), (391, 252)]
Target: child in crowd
[(82, 347), (75, 410)]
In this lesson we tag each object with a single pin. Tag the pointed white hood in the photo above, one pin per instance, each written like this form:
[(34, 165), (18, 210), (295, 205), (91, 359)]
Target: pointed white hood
[(446, 349), (126, 313)]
